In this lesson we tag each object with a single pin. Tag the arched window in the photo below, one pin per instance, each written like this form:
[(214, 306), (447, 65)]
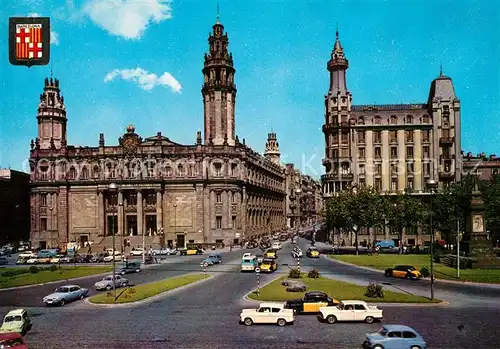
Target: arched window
[(361, 120), (376, 120), (96, 172), (426, 119), (409, 119), (394, 120), (85, 173), (180, 171), (72, 173)]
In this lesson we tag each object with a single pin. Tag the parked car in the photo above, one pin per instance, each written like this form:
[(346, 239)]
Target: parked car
[(312, 252), (312, 302), (12, 340), (296, 252), (267, 313), (107, 283), (271, 254), (137, 251), (191, 251), (252, 244), (268, 266), (394, 336), (27, 254), (65, 294), (164, 251), (403, 271), (277, 245), (118, 257), (17, 321), (129, 268), (350, 311)]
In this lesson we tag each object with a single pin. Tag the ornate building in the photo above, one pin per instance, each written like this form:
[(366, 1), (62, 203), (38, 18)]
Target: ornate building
[(214, 191), (485, 167), (390, 147), (393, 148)]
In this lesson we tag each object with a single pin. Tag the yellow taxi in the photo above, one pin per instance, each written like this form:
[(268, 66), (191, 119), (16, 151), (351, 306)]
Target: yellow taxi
[(404, 272), (312, 252), (271, 253), (190, 251), (312, 302), (268, 266)]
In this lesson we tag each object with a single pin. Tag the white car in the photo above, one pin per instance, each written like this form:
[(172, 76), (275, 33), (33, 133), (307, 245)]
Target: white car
[(33, 260), (137, 251), (296, 252), (107, 283), (164, 252), (268, 313), (277, 245), (118, 257), (27, 254), (351, 311)]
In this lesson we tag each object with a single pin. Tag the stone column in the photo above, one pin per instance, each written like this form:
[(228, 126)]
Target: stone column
[(402, 160), (417, 167), (100, 213), (121, 210), (140, 214), (386, 156), (159, 211)]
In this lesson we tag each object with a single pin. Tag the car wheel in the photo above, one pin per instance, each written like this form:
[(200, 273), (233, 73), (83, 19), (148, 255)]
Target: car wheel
[(378, 347), (62, 302), (248, 321), (137, 270), (331, 319), (124, 284), (108, 288), (408, 276), (281, 322), (388, 273), (415, 347), (82, 296), (369, 319)]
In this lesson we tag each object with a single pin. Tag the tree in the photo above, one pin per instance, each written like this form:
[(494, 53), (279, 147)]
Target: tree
[(353, 210), (491, 197), (404, 211)]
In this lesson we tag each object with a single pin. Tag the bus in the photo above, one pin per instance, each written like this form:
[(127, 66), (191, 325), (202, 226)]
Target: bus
[(249, 263)]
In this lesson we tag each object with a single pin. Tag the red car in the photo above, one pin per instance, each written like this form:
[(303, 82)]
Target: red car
[(12, 340)]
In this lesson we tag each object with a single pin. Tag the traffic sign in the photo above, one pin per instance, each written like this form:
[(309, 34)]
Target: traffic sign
[(257, 270)]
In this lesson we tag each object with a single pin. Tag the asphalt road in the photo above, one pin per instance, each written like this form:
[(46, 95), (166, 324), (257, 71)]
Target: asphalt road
[(172, 266), (206, 316)]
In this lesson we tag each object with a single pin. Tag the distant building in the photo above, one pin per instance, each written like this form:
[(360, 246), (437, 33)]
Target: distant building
[(14, 206), (213, 191), (482, 165)]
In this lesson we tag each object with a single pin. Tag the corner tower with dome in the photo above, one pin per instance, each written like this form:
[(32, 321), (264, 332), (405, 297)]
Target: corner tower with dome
[(216, 190)]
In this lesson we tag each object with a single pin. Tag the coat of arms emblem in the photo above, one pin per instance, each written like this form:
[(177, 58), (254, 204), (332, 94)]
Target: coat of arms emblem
[(130, 141), (29, 40)]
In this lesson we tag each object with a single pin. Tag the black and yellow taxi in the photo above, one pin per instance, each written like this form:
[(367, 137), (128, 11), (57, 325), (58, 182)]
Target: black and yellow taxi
[(271, 253), (312, 252), (190, 251), (311, 302), (404, 272), (268, 266)]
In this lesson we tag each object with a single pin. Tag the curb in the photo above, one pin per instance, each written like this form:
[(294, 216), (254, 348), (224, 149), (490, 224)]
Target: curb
[(470, 283), (153, 298), (246, 297)]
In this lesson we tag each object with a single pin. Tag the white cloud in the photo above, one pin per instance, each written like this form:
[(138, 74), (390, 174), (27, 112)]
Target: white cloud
[(147, 81), (126, 18), (54, 37)]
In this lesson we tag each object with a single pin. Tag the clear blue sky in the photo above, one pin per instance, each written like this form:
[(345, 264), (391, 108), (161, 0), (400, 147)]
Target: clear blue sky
[(280, 51)]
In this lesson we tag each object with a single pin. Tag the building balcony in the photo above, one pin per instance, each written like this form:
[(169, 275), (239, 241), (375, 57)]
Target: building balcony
[(446, 174), (338, 177), (446, 140), (426, 140)]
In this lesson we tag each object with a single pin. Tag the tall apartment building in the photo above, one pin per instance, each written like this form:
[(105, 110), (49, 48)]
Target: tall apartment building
[(392, 147)]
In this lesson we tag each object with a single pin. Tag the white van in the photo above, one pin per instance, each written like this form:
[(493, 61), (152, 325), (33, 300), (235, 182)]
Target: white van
[(249, 263)]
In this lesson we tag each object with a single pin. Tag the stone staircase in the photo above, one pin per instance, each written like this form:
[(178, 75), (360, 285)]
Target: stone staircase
[(135, 241)]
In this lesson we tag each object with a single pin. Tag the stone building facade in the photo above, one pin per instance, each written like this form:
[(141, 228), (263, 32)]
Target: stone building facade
[(393, 148), (484, 166), (14, 206), (217, 190)]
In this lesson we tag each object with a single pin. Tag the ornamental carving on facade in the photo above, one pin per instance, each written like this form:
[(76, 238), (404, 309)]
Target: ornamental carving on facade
[(130, 141)]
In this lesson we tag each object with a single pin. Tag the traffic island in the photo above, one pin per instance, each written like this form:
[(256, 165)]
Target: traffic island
[(276, 292), (419, 261), (36, 275), (143, 292)]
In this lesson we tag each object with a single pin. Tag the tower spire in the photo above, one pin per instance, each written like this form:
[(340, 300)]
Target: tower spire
[(337, 32), (441, 69), (218, 13)]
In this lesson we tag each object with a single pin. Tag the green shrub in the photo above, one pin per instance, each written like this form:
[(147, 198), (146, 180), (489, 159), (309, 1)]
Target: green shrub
[(53, 267), (34, 269), (425, 272), (294, 274), (374, 291), (313, 274), (15, 272)]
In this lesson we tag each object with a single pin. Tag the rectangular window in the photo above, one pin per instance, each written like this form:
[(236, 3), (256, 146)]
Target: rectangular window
[(362, 169), (43, 223), (409, 136), (218, 197), (151, 199), (233, 197), (345, 138), (378, 169), (361, 136), (233, 222), (362, 182), (378, 152), (218, 170), (427, 168), (409, 183), (409, 152), (410, 167), (426, 135), (378, 184), (394, 152), (190, 241), (361, 153), (394, 136), (335, 139), (377, 137), (218, 222), (394, 184), (426, 152)]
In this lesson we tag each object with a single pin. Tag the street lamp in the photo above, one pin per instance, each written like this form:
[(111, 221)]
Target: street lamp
[(52, 226), (298, 191), (120, 204), (432, 186), (175, 223), (112, 188)]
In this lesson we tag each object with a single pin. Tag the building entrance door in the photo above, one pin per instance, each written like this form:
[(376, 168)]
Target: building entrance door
[(84, 239), (181, 241), (150, 224), (131, 225)]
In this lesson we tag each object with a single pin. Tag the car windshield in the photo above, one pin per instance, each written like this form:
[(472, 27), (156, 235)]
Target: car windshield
[(11, 318), (62, 290), (108, 278), (411, 268), (382, 332)]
